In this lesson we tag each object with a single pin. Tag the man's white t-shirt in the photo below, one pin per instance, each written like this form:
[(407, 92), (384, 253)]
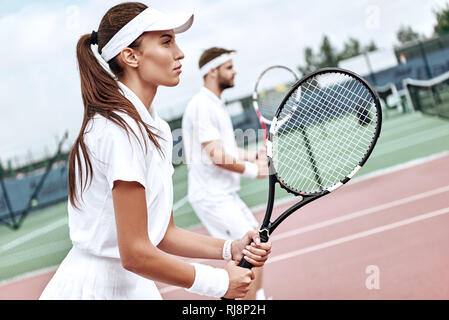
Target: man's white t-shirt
[(206, 119)]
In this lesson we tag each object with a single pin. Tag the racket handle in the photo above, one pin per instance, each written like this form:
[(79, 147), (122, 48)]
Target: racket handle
[(263, 234), (245, 264)]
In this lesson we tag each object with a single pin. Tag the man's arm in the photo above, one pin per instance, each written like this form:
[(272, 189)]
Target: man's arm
[(253, 156), (247, 155), (220, 158)]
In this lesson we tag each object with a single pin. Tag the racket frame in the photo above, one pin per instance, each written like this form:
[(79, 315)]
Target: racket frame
[(267, 226), (264, 121)]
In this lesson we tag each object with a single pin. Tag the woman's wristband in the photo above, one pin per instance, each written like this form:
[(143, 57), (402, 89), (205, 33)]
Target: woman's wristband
[(227, 255), (209, 281)]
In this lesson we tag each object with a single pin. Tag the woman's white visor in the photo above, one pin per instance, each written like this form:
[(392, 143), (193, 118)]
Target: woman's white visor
[(148, 20)]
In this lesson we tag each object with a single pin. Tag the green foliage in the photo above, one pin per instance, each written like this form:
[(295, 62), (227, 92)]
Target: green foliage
[(442, 17), (330, 56), (406, 34)]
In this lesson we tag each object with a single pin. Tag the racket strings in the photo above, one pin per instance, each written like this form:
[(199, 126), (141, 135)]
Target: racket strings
[(321, 103), (315, 113), (333, 154), (326, 131), (269, 102), (271, 88)]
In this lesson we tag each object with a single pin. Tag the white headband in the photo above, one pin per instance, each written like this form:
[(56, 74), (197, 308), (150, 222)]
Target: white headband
[(215, 63), (148, 20)]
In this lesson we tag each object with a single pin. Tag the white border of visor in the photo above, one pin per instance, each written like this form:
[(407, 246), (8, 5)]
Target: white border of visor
[(140, 24)]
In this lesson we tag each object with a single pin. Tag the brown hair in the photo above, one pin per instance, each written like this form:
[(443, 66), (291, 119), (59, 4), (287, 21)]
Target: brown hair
[(100, 91), (210, 54)]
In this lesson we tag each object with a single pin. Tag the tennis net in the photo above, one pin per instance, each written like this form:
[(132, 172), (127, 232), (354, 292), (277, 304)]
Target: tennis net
[(429, 96), (390, 99)]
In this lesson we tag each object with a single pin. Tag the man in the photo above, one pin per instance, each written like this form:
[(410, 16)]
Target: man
[(214, 160)]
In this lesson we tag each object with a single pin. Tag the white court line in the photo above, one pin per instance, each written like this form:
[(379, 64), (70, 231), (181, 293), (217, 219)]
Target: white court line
[(34, 234), (28, 275), (286, 199), (180, 203), (358, 235), (353, 236), (360, 213), (255, 187)]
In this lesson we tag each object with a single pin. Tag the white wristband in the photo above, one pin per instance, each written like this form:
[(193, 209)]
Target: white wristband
[(251, 170), (227, 255), (209, 281)]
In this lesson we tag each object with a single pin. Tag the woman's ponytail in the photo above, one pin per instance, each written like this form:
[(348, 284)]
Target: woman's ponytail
[(100, 93)]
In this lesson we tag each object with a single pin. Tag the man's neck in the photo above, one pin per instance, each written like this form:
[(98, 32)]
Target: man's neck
[(214, 88)]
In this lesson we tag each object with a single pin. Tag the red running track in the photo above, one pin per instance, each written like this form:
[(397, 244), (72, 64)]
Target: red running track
[(384, 237)]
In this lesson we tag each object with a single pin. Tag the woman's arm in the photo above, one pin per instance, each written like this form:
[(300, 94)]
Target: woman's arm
[(189, 244), (137, 253), (140, 256)]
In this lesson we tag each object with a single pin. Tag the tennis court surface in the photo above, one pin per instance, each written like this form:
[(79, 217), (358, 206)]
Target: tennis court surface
[(383, 236)]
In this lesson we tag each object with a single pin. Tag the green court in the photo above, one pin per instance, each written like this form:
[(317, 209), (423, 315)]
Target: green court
[(43, 239)]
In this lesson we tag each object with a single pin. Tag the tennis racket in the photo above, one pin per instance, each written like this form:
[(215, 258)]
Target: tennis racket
[(271, 87), (320, 136)]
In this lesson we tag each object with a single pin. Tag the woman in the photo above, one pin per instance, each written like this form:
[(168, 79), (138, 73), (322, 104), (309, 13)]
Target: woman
[(120, 187)]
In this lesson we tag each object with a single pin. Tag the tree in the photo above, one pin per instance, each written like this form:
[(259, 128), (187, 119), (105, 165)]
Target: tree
[(329, 56), (351, 49), (406, 34), (326, 57), (371, 47), (442, 24), (311, 61)]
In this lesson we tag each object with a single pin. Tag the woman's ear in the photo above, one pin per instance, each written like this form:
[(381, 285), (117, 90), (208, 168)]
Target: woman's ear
[(129, 58)]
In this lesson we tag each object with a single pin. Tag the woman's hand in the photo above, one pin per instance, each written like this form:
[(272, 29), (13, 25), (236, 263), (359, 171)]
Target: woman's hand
[(239, 280), (250, 247)]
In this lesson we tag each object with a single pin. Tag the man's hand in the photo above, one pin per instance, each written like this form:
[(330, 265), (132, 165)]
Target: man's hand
[(261, 153), (262, 164)]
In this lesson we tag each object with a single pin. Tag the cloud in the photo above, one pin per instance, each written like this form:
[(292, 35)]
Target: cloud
[(40, 82)]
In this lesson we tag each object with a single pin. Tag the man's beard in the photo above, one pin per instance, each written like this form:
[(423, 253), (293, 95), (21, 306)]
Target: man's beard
[(225, 84)]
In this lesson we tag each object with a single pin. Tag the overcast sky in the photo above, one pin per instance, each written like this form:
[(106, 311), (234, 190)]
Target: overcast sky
[(40, 83)]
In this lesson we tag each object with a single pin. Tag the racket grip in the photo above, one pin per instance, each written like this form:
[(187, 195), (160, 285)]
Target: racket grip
[(263, 234), (243, 264)]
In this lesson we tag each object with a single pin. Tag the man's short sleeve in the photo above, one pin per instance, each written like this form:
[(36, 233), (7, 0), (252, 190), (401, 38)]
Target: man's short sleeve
[(206, 123)]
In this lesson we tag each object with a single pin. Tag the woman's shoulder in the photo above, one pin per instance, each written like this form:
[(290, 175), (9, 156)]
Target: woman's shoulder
[(101, 127)]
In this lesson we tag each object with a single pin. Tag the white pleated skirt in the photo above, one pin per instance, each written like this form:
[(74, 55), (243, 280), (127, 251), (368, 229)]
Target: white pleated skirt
[(83, 276)]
